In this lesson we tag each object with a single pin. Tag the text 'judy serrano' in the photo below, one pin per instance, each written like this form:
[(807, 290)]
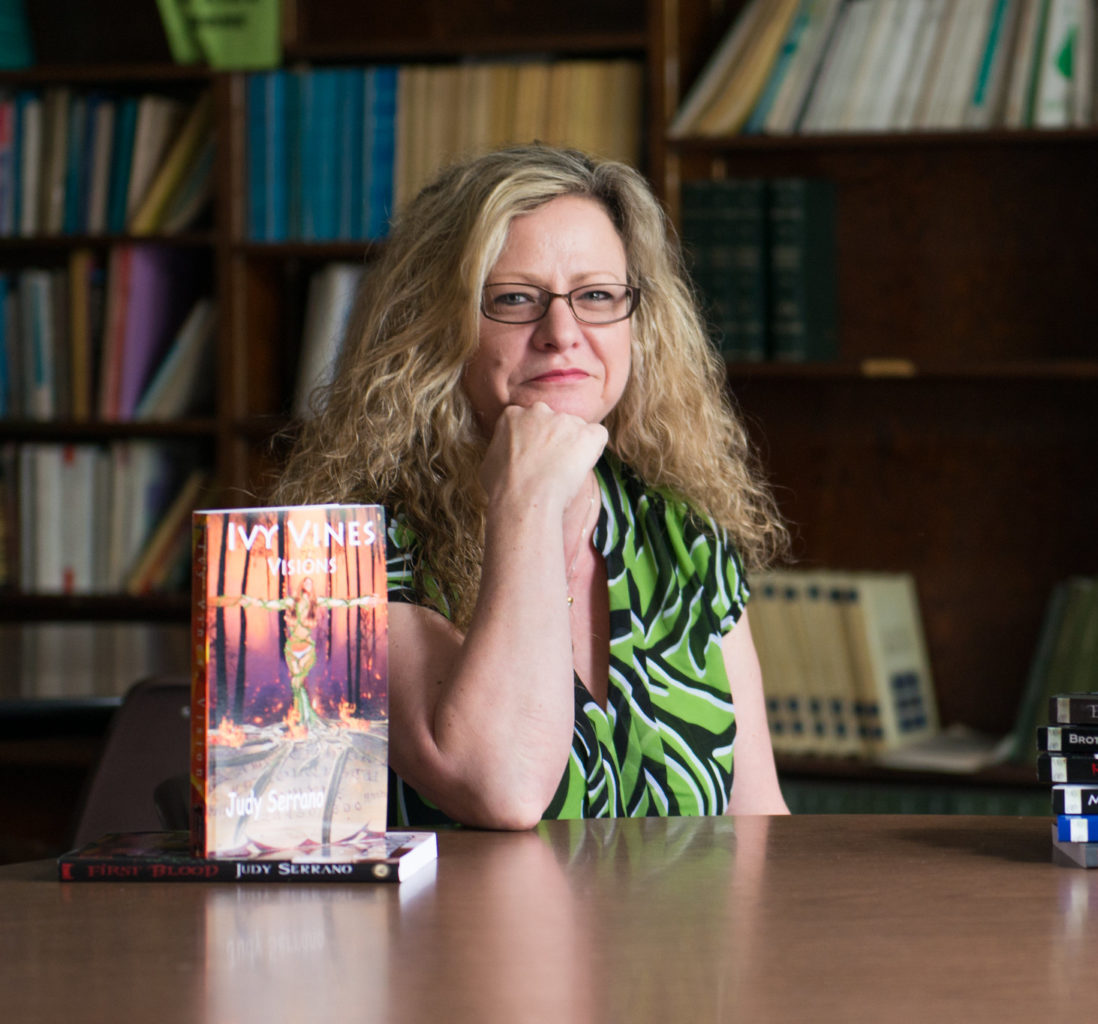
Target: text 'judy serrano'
[(249, 805)]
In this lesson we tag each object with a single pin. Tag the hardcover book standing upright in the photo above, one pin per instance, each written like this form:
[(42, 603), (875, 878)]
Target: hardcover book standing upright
[(290, 678)]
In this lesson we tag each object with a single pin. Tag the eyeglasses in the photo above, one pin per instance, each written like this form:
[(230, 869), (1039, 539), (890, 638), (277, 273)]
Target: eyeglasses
[(590, 303)]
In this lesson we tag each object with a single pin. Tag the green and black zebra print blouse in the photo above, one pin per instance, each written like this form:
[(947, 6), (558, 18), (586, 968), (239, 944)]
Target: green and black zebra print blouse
[(663, 744)]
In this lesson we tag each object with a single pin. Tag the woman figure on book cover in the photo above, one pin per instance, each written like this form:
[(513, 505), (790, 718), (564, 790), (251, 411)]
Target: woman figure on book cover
[(299, 650), (527, 387)]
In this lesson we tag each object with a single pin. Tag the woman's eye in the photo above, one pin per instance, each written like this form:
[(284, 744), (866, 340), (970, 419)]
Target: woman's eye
[(595, 295), (515, 298)]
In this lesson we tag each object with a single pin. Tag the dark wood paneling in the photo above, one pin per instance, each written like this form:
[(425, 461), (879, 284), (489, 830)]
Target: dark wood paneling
[(984, 490), (349, 27)]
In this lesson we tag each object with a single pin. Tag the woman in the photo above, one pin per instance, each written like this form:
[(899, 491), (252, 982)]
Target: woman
[(527, 388)]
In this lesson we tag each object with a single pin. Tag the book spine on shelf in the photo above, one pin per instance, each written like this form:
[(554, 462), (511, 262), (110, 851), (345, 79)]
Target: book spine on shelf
[(381, 102), (121, 163), (803, 277), (725, 229)]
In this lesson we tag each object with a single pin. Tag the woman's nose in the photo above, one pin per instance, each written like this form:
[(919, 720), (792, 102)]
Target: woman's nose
[(559, 326)]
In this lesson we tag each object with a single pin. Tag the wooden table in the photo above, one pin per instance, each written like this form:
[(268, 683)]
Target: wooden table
[(826, 918)]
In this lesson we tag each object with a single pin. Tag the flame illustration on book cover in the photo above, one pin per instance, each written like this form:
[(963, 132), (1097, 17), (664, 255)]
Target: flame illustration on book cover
[(291, 697)]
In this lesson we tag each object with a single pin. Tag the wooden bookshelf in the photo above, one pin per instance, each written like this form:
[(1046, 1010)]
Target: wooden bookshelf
[(954, 436)]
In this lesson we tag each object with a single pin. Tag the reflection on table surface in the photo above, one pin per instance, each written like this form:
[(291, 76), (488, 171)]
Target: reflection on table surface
[(829, 918)]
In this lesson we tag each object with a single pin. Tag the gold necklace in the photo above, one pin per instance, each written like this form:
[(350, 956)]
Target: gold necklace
[(587, 525)]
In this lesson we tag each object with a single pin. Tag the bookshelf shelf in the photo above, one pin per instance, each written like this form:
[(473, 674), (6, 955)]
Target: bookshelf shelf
[(850, 769), (90, 431), (62, 243), (120, 74), (984, 139), (436, 28), (314, 252), (869, 370), (32, 608), (473, 45)]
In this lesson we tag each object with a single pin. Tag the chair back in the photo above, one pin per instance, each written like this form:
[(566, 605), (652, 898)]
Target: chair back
[(140, 781)]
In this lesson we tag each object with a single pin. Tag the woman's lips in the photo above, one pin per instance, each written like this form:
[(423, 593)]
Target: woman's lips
[(564, 375)]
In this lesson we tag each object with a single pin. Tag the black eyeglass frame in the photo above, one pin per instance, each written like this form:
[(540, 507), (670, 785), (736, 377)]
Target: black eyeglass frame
[(633, 293)]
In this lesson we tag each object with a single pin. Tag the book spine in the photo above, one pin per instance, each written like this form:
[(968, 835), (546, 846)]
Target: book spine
[(1067, 739), (105, 869), (1073, 709), (382, 157), (1066, 768), (258, 142), (742, 212), (803, 286), (1077, 828), (200, 655), (1068, 799), (727, 233), (121, 163), (780, 70)]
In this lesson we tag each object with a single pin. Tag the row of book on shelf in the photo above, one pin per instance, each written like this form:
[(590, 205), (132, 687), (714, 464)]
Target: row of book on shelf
[(844, 661), (332, 151), (762, 256), (90, 162), (821, 66), (97, 518), (121, 336), (847, 671)]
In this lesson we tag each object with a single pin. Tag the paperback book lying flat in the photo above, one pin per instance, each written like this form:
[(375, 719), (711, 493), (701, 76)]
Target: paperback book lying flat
[(1072, 854), (289, 742), (166, 857)]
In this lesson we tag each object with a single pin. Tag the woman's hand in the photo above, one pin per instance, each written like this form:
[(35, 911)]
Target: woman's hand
[(539, 457)]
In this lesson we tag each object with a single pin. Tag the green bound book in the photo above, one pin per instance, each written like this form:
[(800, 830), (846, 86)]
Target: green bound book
[(725, 234), (803, 304)]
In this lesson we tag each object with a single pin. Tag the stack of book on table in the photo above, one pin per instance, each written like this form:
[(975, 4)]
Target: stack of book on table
[(289, 709), (1068, 759)]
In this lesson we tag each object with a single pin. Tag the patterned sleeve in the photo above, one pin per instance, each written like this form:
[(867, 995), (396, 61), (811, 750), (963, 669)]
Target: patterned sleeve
[(734, 578), (401, 552), (723, 572)]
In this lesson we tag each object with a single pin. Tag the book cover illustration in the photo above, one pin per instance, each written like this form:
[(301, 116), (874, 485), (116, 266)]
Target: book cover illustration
[(290, 688), (166, 857)]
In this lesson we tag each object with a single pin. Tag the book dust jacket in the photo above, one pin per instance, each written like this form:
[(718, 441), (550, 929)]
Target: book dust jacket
[(289, 743)]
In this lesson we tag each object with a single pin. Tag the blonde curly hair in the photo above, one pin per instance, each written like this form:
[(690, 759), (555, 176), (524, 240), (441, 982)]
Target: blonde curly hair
[(395, 426)]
